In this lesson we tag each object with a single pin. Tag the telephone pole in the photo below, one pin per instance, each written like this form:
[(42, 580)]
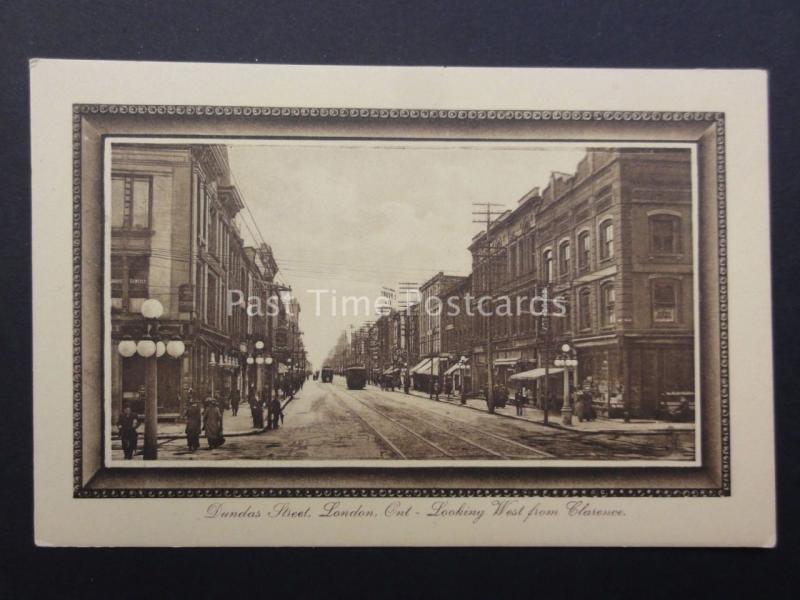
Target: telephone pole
[(484, 213)]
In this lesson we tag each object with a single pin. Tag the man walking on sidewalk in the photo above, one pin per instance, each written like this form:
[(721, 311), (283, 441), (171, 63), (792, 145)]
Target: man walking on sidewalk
[(193, 425)]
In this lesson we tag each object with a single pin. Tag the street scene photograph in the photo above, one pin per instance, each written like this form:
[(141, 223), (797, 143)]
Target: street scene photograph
[(364, 301)]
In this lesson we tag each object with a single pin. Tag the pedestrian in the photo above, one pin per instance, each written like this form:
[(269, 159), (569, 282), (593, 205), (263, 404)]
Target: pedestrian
[(193, 425), (268, 402), (519, 397), (212, 423), (127, 423), (235, 399), (277, 413)]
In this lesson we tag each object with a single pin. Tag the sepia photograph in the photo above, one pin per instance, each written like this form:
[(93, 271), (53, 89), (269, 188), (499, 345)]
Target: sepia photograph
[(351, 316), (436, 303)]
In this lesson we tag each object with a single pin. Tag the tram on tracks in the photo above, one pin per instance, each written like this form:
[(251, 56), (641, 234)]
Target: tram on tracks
[(356, 378), (327, 374)]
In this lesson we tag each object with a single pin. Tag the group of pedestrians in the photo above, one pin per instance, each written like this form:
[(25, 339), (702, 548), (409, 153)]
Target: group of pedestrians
[(208, 417), (274, 416)]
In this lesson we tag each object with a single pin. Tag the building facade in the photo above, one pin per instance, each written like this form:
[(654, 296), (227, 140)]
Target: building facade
[(174, 237), (614, 243)]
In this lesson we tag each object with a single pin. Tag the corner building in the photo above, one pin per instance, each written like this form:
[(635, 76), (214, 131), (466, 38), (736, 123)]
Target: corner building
[(615, 242)]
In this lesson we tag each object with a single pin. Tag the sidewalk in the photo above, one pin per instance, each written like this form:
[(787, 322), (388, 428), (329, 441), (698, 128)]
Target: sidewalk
[(534, 415), (241, 424)]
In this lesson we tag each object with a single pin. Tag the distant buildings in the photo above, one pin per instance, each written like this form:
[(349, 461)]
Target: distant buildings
[(613, 244)]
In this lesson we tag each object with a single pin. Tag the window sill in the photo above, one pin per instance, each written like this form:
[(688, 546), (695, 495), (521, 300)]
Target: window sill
[(130, 231)]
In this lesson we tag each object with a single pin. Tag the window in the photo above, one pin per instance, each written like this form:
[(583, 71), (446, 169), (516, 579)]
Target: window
[(118, 202), (665, 234), (212, 233), (512, 255), (547, 266), (665, 301), (563, 258), (531, 254), (584, 247), (138, 268), (211, 304), (130, 201), (606, 240), (584, 309), (607, 297)]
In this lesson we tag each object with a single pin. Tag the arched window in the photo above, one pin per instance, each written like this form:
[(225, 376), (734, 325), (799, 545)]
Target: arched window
[(606, 239), (607, 301), (665, 234), (665, 300), (584, 309), (563, 258), (547, 266), (584, 249)]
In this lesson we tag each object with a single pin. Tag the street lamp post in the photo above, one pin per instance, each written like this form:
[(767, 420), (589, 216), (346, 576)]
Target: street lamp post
[(270, 380), (462, 363), (566, 360), (259, 360), (150, 347)]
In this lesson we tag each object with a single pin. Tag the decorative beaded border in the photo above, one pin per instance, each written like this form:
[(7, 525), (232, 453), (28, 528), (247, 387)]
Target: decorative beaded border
[(79, 491)]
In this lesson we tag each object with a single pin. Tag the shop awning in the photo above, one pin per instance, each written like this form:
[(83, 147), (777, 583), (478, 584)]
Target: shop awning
[(456, 367), (422, 365), (506, 362), (426, 368), (391, 371), (534, 374)]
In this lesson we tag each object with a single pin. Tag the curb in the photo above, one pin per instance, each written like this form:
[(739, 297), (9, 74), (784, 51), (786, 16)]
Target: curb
[(555, 425), (172, 436)]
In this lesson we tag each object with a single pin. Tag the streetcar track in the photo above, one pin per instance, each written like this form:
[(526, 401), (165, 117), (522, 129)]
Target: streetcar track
[(573, 436), (542, 453), (450, 433), (399, 424), (394, 448)]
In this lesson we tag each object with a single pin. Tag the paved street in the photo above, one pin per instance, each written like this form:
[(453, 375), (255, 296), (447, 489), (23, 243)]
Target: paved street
[(330, 422)]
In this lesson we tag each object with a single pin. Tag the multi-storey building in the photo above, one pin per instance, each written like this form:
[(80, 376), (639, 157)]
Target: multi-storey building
[(458, 333), (613, 242), (174, 237)]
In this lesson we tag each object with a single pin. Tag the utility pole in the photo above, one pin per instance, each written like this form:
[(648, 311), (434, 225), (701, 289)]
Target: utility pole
[(546, 338), (484, 212)]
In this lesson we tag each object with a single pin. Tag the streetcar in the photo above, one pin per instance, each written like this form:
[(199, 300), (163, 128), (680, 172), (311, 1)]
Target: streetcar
[(356, 378), (327, 374)]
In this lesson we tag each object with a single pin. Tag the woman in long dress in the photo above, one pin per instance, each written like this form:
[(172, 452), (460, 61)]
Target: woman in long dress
[(212, 423)]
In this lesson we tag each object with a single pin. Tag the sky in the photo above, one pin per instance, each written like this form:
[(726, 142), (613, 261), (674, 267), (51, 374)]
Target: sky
[(357, 216)]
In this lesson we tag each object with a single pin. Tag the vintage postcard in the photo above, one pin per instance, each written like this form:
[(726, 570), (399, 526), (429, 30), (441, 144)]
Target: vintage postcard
[(400, 306)]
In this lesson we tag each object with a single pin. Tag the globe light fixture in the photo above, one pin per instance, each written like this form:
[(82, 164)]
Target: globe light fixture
[(259, 360), (146, 347), (212, 361), (176, 348), (161, 348), (268, 360), (259, 345), (250, 360), (152, 309), (127, 347), (566, 348)]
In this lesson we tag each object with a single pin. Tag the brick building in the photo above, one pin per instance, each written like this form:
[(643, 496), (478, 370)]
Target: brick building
[(614, 243), (174, 237)]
